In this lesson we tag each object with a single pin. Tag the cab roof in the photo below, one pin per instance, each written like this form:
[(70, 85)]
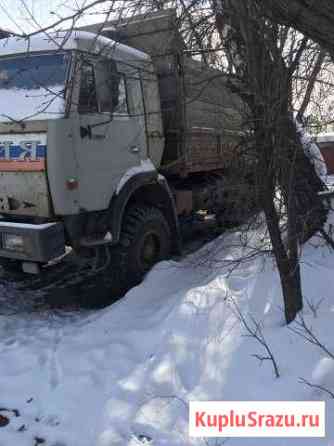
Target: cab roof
[(75, 40)]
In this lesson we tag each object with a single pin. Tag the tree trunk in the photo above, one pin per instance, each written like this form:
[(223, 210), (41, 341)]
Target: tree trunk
[(288, 268)]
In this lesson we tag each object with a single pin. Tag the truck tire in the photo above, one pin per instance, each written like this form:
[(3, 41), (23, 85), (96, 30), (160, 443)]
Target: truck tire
[(145, 239)]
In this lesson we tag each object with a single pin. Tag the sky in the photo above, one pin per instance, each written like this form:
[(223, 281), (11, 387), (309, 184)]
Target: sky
[(15, 17)]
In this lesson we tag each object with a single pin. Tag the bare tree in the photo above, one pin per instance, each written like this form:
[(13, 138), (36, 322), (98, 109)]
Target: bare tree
[(264, 81)]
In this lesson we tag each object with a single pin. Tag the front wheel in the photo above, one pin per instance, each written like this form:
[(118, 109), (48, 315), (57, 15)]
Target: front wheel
[(145, 240)]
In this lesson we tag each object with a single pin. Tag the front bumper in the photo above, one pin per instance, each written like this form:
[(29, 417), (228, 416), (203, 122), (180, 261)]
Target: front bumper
[(40, 243)]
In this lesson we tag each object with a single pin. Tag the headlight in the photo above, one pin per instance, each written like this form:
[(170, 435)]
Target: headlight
[(13, 242)]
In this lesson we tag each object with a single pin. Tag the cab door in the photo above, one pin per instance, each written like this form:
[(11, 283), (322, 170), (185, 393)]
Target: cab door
[(110, 137)]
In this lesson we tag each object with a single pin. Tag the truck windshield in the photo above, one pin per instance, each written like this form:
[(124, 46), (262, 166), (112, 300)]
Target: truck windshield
[(33, 86)]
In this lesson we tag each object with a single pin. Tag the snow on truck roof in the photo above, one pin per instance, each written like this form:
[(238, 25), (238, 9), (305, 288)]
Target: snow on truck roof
[(76, 40)]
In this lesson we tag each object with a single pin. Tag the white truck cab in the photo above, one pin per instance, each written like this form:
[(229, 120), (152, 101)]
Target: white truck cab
[(72, 129)]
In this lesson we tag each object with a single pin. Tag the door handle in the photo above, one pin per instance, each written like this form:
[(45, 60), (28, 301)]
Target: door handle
[(87, 132), (135, 149)]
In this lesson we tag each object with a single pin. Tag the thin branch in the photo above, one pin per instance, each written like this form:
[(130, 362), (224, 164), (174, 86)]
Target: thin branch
[(256, 333), (305, 332), (316, 386)]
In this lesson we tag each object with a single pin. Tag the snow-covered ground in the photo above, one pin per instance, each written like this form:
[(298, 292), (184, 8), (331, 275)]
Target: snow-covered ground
[(122, 376), (329, 181)]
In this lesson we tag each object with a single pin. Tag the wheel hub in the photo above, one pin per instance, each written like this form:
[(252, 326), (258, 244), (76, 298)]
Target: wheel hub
[(150, 249)]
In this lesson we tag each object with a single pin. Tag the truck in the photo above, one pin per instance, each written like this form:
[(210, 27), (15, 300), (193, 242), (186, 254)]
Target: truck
[(112, 137)]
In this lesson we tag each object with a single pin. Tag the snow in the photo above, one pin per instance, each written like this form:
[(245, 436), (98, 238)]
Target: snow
[(39, 103), (324, 137), (312, 151), (145, 165), (122, 376), (16, 139), (329, 181)]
